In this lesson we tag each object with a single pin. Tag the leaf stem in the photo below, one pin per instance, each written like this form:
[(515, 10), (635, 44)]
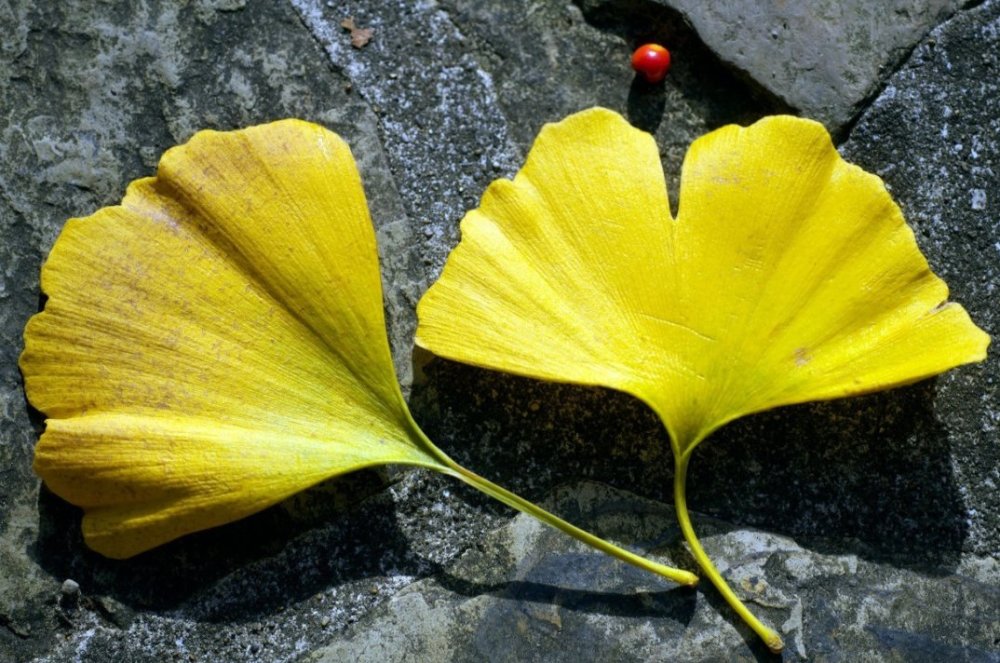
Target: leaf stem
[(450, 467), (769, 636), (510, 499)]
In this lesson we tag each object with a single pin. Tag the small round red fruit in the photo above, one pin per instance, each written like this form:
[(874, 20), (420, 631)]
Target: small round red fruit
[(652, 61)]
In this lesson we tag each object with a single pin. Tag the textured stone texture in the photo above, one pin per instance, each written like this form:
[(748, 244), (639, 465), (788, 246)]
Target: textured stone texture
[(886, 505), (934, 136), (823, 58), (526, 593)]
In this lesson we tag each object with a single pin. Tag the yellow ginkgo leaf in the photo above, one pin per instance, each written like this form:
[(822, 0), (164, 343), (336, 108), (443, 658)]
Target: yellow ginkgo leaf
[(216, 343), (788, 275)]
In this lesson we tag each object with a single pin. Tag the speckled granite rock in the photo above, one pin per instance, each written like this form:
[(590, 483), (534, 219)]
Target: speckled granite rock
[(446, 97), (823, 58), (526, 593), (934, 136)]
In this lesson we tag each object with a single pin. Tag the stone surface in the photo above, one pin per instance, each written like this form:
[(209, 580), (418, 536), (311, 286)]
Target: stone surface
[(934, 136), (526, 593), (898, 488), (823, 58)]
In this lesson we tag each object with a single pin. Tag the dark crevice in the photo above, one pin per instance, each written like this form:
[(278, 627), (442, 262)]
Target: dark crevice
[(676, 603), (333, 66)]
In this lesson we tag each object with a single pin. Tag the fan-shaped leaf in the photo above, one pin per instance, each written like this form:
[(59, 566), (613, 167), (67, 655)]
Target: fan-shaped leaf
[(788, 275), (216, 343)]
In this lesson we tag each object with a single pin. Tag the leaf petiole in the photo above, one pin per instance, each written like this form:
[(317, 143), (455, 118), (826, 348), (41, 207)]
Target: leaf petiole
[(517, 502), (768, 635)]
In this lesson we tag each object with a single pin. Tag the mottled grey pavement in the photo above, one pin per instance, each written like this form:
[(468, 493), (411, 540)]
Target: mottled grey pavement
[(863, 529)]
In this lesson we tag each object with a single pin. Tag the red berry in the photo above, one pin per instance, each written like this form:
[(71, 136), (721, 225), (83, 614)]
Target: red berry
[(652, 61)]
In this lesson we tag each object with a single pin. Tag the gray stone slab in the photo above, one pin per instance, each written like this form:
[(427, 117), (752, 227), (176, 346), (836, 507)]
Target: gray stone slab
[(528, 594), (824, 58)]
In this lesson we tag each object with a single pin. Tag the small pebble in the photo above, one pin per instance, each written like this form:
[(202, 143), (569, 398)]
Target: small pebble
[(70, 589), (69, 594)]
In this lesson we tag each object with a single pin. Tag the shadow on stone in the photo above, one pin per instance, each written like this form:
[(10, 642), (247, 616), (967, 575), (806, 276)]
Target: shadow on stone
[(868, 475), (530, 436), (677, 604), (561, 600), (646, 103), (757, 648), (341, 530)]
